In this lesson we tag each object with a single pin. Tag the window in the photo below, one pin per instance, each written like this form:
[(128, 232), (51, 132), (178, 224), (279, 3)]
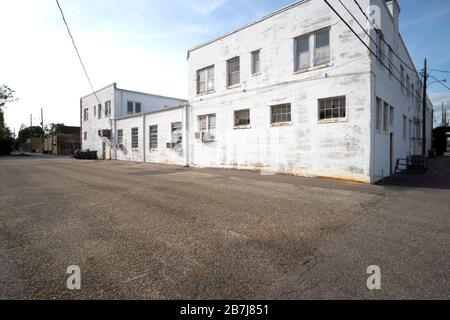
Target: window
[(120, 136), (281, 113), (99, 132), (256, 65), (322, 47), (332, 108), (390, 61), (85, 135), (404, 127), (242, 118), (133, 107), (130, 107), (378, 115), (153, 137), (86, 114), (385, 117), (407, 86), (99, 112), (391, 117), (205, 80), (134, 138), (233, 71), (402, 77), (95, 111), (177, 134), (412, 91), (207, 126), (301, 53), (107, 108), (380, 46), (410, 129)]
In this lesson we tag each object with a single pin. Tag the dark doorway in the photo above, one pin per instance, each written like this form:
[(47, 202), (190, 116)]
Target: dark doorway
[(103, 150)]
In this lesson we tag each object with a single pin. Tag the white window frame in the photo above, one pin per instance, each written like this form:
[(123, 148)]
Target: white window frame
[(209, 82), (287, 115), (210, 126), (230, 74), (86, 114), (153, 137), (119, 136), (256, 64), (332, 108), (236, 119), (135, 138), (107, 108), (176, 130)]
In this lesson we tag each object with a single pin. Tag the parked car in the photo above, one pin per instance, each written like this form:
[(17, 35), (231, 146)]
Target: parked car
[(85, 154)]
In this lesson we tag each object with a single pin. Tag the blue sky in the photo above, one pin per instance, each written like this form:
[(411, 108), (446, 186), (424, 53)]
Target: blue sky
[(141, 45)]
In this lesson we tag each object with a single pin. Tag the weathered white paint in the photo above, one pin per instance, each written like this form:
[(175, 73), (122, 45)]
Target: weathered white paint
[(119, 98), (350, 148)]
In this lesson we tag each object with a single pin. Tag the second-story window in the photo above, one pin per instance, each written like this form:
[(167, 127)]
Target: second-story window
[(322, 47), (86, 114), (107, 108), (233, 72), (130, 107), (301, 53), (256, 62), (99, 112), (205, 80), (402, 78)]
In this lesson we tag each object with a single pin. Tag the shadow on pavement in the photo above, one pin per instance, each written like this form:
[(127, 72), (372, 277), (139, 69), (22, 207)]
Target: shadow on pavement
[(437, 176)]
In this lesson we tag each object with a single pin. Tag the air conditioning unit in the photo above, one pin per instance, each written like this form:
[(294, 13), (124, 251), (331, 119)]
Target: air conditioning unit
[(206, 137), (170, 145)]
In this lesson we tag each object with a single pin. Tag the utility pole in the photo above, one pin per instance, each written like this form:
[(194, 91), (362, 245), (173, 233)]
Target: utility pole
[(31, 133), (42, 119), (424, 111)]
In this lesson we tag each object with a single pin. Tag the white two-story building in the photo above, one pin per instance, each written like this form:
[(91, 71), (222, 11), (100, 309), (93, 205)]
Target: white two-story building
[(294, 92)]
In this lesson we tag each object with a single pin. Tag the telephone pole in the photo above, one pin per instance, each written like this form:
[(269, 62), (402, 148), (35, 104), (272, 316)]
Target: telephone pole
[(31, 133), (424, 111)]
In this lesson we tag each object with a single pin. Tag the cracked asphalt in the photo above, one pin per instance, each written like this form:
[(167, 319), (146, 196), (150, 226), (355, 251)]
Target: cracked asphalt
[(145, 231)]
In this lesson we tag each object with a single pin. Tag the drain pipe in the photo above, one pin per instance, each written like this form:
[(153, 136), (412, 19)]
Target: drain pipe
[(143, 137), (185, 134)]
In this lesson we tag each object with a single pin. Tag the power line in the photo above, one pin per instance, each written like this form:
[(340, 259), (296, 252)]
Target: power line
[(370, 49), (378, 32), (76, 50), (437, 70), (440, 81), (378, 47)]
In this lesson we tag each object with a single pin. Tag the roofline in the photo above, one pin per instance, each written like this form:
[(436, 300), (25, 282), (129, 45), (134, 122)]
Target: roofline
[(151, 94), (150, 112), (114, 84), (270, 15)]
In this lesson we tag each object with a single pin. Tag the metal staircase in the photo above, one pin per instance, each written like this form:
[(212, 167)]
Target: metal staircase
[(412, 164)]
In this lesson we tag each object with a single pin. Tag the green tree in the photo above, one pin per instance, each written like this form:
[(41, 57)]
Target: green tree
[(34, 131), (6, 141)]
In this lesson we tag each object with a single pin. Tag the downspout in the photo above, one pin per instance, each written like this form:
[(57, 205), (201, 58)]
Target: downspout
[(143, 137), (185, 135)]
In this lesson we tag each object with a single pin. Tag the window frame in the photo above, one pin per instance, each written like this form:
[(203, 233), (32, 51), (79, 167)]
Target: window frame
[(208, 88), (385, 116), (315, 63), (178, 134), (135, 143), (229, 74), (128, 108), (210, 129), (297, 66), (85, 114), (241, 126), (153, 137), (120, 136), (288, 114), (332, 119), (85, 135), (253, 62), (108, 108), (378, 114), (99, 111)]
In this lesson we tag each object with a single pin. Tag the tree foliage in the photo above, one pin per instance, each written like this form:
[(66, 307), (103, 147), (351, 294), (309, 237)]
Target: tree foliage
[(34, 131), (6, 141)]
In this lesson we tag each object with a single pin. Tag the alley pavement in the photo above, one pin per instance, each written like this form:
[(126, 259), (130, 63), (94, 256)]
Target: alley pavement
[(145, 231)]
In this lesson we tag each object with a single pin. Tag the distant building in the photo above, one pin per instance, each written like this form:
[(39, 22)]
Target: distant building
[(63, 142), (35, 145)]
